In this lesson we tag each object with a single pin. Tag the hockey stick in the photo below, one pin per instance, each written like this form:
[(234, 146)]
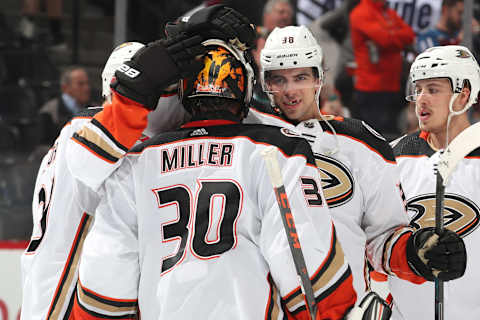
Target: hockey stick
[(273, 168), (467, 141)]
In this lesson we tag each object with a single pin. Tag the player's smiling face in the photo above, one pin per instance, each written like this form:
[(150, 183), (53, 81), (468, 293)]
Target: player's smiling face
[(294, 92), (432, 99)]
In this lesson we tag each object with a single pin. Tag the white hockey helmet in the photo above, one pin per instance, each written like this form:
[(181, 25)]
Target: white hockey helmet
[(455, 63), (291, 47), (119, 55)]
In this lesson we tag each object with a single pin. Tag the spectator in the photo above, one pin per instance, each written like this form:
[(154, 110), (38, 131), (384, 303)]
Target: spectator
[(332, 32), (277, 13), (309, 10), (447, 30), (379, 36), (54, 12), (260, 99), (75, 94)]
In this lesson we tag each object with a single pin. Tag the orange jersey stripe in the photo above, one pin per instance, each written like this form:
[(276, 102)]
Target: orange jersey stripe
[(398, 261), (127, 124), (80, 313)]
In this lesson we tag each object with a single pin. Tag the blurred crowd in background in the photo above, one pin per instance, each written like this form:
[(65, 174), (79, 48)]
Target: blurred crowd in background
[(368, 47)]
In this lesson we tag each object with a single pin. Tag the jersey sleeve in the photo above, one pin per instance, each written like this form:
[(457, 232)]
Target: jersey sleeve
[(109, 269), (386, 221), (95, 149), (327, 267)]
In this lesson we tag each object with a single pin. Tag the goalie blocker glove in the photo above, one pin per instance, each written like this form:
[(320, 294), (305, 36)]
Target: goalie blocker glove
[(437, 256), (156, 66), (372, 307), (217, 22)]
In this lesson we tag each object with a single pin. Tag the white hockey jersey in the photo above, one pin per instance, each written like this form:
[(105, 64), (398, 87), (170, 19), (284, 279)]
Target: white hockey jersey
[(61, 215), (102, 142), (462, 215), (361, 183), (64, 196), (189, 228)]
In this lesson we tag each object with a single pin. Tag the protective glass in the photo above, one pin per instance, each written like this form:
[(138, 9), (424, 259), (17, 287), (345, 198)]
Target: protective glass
[(413, 92), (276, 83)]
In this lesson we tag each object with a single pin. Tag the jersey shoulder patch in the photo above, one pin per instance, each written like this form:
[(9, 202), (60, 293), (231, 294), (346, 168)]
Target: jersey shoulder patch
[(360, 131), (412, 145)]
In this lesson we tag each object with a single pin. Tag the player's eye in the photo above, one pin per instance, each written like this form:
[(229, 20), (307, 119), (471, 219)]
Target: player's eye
[(278, 81)]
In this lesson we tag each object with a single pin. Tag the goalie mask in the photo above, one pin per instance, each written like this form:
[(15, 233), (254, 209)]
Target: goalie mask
[(227, 73), (119, 55), (288, 48), (455, 63)]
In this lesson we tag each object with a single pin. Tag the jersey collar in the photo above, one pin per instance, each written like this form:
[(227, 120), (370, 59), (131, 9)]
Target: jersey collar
[(209, 123)]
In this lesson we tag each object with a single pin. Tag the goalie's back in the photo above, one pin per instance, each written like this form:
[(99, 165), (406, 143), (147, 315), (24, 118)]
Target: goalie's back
[(190, 228)]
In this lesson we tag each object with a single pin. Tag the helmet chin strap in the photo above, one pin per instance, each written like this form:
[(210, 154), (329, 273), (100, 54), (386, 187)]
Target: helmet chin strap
[(335, 149), (454, 113)]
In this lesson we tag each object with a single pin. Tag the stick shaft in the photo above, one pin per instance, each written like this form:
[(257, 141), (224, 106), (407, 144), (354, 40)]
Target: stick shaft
[(439, 204), (273, 168)]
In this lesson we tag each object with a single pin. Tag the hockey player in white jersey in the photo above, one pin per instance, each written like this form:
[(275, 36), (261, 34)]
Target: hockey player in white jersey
[(188, 226), (104, 140), (446, 82), (63, 203), (62, 209), (358, 168)]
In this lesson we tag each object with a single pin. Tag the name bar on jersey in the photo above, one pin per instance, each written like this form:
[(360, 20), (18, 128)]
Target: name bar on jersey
[(196, 155)]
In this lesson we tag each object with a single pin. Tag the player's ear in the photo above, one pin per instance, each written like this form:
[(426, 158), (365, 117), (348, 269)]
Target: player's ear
[(464, 96)]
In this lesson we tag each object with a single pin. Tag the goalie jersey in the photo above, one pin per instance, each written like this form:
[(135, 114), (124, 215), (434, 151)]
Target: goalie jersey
[(61, 217), (416, 160), (189, 228), (361, 184)]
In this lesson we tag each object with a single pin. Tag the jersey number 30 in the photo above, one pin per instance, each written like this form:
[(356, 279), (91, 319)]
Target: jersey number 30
[(198, 218)]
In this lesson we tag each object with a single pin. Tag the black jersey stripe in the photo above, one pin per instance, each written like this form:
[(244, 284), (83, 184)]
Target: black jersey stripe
[(65, 288), (108, 134), (413, 145), (333, 263), (359, 131), (273, 308), (327, 292), (288, 142), (106, 301), (103, 316), (94, 148)]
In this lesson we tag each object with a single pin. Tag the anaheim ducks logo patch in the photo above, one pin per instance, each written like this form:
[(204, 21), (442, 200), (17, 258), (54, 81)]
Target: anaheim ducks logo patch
[(460, 214), (337, 181)]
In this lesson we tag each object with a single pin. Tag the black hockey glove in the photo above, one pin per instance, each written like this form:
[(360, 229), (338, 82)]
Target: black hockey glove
[(158, 65), (218, 22), (432, 256)]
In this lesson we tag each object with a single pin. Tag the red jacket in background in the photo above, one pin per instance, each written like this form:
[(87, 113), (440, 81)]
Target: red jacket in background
[(381, 26)]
